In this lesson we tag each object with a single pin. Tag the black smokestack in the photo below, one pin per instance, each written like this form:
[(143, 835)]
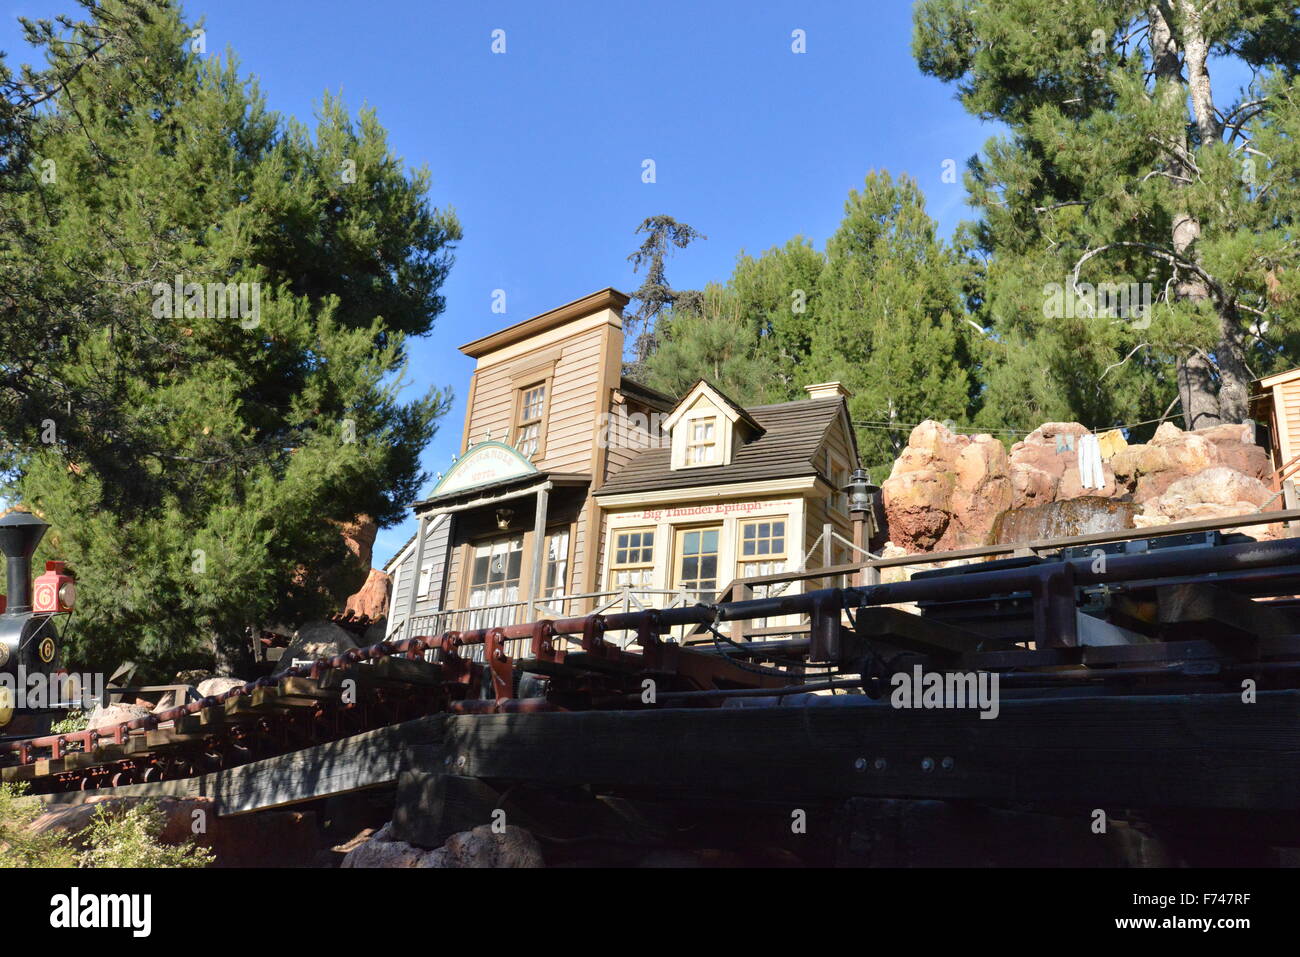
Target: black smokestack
[(20, 533)]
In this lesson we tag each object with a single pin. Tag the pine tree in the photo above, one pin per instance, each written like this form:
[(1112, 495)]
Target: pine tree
[(716, 340), (890, 318), (1125, 165), (654, 296), (884, 311), (778, 293), (196, 464)]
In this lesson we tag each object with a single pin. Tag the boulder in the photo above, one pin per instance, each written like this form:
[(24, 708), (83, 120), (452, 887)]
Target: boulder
[(983, 489), (211, 687), (513, 847), (317, 639), (359, 537), (1147, 471), (380, 850), (917, 508), (106, 716), (1218, 492), (918, 494), (1044, 467), (481, 847)]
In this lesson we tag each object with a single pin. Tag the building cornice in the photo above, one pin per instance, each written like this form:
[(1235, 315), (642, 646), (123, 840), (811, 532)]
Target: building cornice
[(608, 298)]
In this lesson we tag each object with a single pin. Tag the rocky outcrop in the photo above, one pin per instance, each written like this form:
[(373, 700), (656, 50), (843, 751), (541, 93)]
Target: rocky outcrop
[(1045, 466), (211, 687), (372, 600), (317, 639), (1217, 492), (1146, 471), (481, 847), (115, 714), (947, 491)]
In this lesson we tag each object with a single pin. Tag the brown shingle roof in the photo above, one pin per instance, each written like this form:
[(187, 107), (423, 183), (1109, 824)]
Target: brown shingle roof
[(794, 431)]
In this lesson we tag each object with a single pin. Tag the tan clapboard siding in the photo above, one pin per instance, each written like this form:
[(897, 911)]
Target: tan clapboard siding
[(571, 416), (625, 440), (1289, 418), (576, 580), (493, 409)]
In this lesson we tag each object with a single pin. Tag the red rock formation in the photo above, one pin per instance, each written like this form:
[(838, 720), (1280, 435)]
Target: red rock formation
[(372, 600), (946, 490)]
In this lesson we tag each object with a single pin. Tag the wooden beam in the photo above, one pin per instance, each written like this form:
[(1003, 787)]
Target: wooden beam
[(1200, 610), (925, 635), (1203, 750)]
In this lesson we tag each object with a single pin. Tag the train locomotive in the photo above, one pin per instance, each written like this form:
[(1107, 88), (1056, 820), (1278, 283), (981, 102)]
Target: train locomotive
[(29, 636)]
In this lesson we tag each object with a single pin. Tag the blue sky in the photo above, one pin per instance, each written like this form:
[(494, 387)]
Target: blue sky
[(540, 149)]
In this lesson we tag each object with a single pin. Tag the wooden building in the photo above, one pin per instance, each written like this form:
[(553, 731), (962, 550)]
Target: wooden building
[(1276, 403), (577, 489)]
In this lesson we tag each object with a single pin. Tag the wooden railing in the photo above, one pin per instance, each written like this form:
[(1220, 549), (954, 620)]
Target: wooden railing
[(866, 572), (625, 600)]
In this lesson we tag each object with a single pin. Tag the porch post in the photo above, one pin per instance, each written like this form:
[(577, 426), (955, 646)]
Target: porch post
[(409, 626), (539, 551), (828, 551)]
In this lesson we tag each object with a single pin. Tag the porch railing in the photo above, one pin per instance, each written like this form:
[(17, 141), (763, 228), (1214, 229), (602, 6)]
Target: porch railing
[(623, 600)]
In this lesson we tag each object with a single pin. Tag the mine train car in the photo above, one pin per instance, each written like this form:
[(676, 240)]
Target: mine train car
[(29, 635)]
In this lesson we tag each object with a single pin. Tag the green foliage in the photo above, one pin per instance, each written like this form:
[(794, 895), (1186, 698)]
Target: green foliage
[(199, 459), (20, 847), (890, 324), (718, 342), (71, 723), (883, 310), (654, 295), (1111, 146), (115, 837), (129, 837)]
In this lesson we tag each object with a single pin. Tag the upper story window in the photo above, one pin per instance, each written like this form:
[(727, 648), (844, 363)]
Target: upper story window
[(708, 429), (838, 472), (528, 427), (702, 441)]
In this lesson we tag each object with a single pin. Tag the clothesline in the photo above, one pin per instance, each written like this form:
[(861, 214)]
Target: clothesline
[(897, 426)]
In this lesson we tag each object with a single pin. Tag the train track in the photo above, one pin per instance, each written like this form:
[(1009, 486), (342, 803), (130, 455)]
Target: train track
[(571, 664)]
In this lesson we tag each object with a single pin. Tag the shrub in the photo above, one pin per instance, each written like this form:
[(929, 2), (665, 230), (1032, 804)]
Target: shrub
[(115, 837)]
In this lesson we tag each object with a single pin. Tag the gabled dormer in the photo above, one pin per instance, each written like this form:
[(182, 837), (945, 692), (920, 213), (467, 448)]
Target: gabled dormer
[(707, 428)]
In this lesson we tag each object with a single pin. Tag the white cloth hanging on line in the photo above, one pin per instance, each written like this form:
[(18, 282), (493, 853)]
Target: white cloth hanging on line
[(1091, 474)]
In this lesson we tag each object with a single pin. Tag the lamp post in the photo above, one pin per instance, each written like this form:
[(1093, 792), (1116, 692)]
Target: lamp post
[(862, 505)]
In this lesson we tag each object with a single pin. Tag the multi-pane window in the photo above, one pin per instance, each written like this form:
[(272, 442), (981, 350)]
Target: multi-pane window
[(494, 571), (555, 582), (762, 541), (839, 475), (762, 552), (634, 557), (702, 441), (528, 431), (697, 559)]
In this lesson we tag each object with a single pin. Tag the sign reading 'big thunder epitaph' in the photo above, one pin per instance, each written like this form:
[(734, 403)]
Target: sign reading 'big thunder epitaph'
[(485, 464)]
